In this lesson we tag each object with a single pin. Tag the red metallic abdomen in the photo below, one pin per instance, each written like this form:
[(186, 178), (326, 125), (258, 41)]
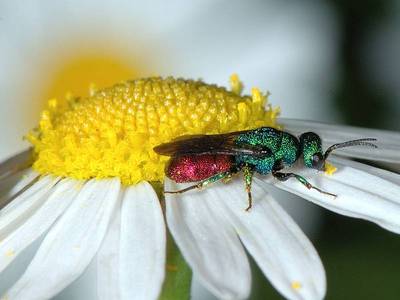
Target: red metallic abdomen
[(197, 167)]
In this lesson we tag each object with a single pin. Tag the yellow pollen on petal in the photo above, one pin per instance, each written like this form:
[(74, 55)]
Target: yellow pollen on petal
[(9, 253), (296, 285), (78, 186), (330, 169), (112, 132)]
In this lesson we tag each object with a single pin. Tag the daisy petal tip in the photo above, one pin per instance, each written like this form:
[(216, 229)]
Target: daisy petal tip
[(310, 290)]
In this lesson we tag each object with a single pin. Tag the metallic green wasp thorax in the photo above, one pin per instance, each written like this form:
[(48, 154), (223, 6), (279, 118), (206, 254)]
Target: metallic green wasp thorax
[(283, 147)]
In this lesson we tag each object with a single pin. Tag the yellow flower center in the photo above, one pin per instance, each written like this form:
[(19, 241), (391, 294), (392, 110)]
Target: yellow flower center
[(112, 132)]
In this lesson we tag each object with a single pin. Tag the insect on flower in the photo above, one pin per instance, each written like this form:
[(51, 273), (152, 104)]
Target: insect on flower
[(209, 158)]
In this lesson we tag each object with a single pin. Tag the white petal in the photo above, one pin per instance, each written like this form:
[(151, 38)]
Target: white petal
[(384, 174), (62, 195), (143, 244), (14, 164), (108, 259), (208, 242), (359, 194), (14, 184), (71, 244), (388, 141), (278, 245), (23, 206)]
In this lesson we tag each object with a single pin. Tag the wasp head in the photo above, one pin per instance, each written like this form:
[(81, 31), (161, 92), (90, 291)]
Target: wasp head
[(311, 148)]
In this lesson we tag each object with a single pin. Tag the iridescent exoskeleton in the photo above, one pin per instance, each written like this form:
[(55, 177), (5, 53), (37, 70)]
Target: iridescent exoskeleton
[(208, 158)]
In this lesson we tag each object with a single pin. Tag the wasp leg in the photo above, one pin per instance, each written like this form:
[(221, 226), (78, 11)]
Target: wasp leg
[(285, 176), (203, 183), (228, 178), (248, 177)]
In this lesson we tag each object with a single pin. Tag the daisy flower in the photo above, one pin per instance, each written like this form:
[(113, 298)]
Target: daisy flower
[(52, 47), (91, 190)]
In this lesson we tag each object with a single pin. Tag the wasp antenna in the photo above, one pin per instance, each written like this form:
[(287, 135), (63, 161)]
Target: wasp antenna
[(359, 142)]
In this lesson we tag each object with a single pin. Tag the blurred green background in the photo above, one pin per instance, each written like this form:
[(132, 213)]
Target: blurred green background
[(362, 96)]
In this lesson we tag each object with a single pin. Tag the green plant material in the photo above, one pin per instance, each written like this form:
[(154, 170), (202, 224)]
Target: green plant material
[(178, 277)]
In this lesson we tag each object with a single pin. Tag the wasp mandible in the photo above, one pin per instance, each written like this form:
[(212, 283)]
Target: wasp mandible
[(209, 158)]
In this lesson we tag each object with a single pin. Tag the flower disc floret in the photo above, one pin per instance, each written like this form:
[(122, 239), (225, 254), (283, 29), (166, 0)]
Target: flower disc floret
[(112, 132)]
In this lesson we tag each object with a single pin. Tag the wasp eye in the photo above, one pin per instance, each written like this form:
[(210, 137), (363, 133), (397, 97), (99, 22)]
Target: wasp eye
[(318, 161)]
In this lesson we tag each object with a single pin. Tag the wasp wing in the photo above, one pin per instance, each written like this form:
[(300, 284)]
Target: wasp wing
[(209, 144)]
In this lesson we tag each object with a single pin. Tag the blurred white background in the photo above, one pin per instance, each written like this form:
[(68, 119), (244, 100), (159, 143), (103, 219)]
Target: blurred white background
[(49, 48)]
